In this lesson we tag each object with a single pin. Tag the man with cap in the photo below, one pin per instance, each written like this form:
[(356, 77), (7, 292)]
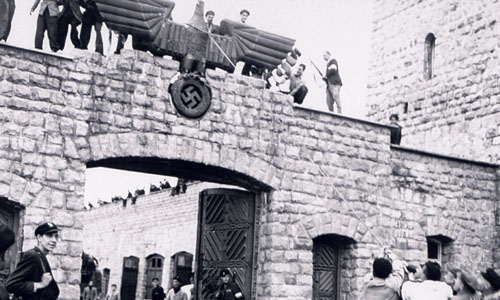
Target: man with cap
[(493, 279), (211, 27), (244, 13), (32, 279), (157, 292), (6, 240), (227, 290), (175, 292)]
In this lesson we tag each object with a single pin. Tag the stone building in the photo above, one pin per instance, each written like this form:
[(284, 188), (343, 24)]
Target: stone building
[(324, 192), (435, 63)]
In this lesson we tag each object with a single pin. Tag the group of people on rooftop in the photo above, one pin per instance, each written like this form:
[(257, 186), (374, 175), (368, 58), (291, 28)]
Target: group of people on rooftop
[(56, 22)]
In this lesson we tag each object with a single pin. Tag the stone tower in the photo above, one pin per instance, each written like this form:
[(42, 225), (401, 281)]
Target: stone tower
[(436, 64)]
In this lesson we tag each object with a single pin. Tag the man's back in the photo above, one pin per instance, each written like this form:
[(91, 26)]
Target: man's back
[(426, 290), (378, 290)]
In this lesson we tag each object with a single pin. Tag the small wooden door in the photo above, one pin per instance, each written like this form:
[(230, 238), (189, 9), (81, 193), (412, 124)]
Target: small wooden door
[(225, 240), (154, 269), (9, 216), (325, 271), (129, 278)]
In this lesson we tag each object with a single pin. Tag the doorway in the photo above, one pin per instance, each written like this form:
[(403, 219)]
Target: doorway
[(129, 277), (226, 239)]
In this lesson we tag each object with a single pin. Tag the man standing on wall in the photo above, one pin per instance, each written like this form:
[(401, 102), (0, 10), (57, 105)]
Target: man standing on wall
[(47, 21), (396, 131), (70, 15), (32, 279), (91, 17), (6, 16), (175, 292), (333, 82), (6, 240), (244, 15), (211, 27), (90, 292), (158, 293)]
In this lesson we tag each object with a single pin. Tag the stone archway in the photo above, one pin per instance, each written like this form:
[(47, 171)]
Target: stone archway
[(438, 225), (176, 155), (328, 223)]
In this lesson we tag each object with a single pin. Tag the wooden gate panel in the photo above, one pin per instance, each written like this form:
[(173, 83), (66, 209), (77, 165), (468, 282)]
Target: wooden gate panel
[(225, 239), (214, 241), (214, 209)]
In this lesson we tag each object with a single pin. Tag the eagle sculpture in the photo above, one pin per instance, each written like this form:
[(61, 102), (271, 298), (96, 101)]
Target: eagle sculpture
[(151, 25)]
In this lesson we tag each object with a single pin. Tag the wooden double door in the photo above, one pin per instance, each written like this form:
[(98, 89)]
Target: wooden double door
[(226, 240), (9, 216)]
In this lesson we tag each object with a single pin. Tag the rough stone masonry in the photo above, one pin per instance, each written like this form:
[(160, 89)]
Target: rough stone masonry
[(457, 110), (58, 115)]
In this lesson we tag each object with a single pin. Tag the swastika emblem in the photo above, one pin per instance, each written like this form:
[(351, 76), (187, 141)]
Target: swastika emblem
[(191, 95)]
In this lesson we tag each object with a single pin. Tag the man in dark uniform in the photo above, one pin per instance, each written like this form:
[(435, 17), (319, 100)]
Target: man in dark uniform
[(91, 17), (32, 278), (6, 240), (228, 290), (7, 8), (70, 14), (158, 293), (396, 130), (333, 82)]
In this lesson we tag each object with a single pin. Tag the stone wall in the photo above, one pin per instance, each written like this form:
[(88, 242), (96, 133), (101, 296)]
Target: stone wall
[(60, 115), (457, 111)]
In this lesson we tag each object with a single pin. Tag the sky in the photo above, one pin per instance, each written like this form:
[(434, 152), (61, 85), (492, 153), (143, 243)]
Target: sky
[(341, 26)]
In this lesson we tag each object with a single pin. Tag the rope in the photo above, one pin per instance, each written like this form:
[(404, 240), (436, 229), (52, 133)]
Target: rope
[(216, 44), (343, 199), (346, 202)]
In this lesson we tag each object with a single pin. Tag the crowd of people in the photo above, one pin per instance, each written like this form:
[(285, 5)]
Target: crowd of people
[(392, 279)]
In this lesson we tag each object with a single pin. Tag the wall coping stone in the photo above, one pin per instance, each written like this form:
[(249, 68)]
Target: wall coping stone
[(364, 121), (63, 56), (443, 156)]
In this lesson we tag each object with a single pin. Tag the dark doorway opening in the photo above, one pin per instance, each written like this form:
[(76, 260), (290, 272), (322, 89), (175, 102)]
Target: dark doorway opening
[(10, 216), (129, 277)]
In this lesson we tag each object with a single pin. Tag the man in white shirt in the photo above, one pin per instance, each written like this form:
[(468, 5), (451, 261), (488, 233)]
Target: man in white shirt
[(430, 287)]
